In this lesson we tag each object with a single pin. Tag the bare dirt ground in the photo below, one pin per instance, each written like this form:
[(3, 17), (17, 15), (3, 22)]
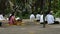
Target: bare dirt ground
[(31, 29)]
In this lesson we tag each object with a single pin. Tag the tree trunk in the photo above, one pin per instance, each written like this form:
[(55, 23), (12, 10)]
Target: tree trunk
[(49, 6)]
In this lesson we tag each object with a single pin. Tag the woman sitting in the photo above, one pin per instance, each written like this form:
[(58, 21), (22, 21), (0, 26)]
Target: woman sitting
[(12, 19)]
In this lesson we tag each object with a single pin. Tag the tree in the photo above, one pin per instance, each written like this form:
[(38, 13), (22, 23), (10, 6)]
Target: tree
[(3, 6)]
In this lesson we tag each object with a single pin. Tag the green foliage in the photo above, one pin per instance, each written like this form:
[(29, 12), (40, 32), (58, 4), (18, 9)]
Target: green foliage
[(57, 14), (26, 7)]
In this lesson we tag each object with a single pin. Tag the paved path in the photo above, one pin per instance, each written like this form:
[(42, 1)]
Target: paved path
[(30, 29)]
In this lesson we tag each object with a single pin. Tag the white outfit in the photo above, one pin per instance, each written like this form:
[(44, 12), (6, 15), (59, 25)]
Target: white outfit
[(17, 18), (41, 19), (10, 14), (38, 17), (50, 19), (1, 17), (32, 17)]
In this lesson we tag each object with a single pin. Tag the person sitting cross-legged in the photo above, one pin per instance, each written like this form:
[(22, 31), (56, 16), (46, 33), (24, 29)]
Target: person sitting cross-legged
[(32, 17), (50, 18), (12, 19)]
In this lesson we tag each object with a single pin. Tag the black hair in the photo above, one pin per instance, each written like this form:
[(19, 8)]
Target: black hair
[(32, 13), (38, 12), (11, 15)]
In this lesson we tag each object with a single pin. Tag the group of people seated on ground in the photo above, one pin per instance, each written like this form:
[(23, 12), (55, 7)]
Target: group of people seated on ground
[(49, 18), (11, 20)]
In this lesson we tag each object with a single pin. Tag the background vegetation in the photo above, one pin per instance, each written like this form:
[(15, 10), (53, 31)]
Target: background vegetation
[(24, 8)]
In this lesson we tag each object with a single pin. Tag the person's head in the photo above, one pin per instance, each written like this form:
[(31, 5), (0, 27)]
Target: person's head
[(38, 12), (32, 13), (12, 14), (50, 13), (2, 14)]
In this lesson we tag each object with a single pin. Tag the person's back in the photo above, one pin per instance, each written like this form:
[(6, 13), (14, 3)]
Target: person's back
[(41, 18), (32, 17), (50, 19), (12, 19), (38, 17), (1, 17)]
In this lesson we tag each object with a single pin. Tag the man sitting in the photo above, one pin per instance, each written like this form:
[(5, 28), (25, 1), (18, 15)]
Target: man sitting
[(38, 17), (50, 18), (32, 17), (1, 19)]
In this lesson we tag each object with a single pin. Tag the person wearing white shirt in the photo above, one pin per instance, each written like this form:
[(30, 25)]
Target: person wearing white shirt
[(38, 17), (50, 18), (41, 18), (1, 17), (32, 17)]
